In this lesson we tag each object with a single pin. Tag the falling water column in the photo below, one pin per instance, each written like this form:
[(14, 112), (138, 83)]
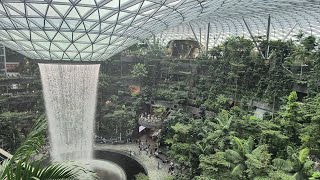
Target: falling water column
[(70, 98)]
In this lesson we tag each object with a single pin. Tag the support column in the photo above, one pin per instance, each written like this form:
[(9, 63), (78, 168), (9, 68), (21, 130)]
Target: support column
[(216, 40), (289, 32), (200, 36), (5, 59), (268, 38), (195, 36), (253, 39), (207, 40)]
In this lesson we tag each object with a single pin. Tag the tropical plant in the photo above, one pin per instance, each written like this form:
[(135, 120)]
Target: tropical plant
[(290, 118), (141, 176), (310, 111), (10, 133), (298, 163), (313, 80), (217, 132), (139, 71), (315, 176), (299, 56), (246, 161), (22, 165), (278, 82), (121, 119), (214, 166), (182, 140)]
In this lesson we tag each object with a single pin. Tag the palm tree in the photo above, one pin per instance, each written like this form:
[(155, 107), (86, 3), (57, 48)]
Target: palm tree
[(217, 133), (246, 161), (237, 156), (301, 53), (22, 165), (300, 56), (298, 164)]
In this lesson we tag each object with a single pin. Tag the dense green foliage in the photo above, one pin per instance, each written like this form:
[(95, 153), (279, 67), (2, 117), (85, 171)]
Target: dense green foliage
[(232, 143), (18, 109), (141, 176), (235, 145), (139, 71)]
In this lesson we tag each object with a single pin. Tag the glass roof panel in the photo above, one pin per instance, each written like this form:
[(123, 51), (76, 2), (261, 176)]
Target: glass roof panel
[(52, 12), (113, 4), (134, 8), (62, 9)]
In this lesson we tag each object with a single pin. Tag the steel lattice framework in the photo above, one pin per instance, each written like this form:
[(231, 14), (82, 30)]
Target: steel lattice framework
[(93, 30), (226, 18)]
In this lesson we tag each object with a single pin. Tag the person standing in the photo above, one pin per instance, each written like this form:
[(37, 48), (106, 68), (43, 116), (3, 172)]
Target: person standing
[(171, 168), (130, 151)]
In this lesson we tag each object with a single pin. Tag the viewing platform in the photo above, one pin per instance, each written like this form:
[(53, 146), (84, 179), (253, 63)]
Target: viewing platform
[(150, 122)]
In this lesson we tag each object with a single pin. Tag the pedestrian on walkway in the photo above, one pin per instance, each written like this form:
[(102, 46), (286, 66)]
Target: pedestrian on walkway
[(171, 168), (158, 165), (130, 151)]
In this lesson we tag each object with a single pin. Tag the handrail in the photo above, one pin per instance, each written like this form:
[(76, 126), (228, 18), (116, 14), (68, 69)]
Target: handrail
[(5, 153)]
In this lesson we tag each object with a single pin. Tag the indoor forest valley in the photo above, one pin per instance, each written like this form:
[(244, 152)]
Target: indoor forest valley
[(160, 90)]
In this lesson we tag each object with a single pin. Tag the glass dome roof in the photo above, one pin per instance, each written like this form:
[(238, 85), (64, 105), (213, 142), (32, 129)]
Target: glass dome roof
[(93, 30), (226, 17)]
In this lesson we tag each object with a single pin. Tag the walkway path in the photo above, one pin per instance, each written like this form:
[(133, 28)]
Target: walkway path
[(149, 163)]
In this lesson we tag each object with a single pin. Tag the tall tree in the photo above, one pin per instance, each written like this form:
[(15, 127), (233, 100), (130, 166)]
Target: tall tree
[(290, 119)]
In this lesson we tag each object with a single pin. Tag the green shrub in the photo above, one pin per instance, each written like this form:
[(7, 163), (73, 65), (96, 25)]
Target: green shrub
[(141, 176)]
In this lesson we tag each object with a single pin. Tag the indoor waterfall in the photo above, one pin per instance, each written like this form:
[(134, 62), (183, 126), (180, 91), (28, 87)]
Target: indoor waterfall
[(70, 99)]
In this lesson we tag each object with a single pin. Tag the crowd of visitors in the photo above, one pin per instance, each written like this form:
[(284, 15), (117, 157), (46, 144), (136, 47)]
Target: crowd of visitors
[(149, 118), (154, 151), (146, 146)]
